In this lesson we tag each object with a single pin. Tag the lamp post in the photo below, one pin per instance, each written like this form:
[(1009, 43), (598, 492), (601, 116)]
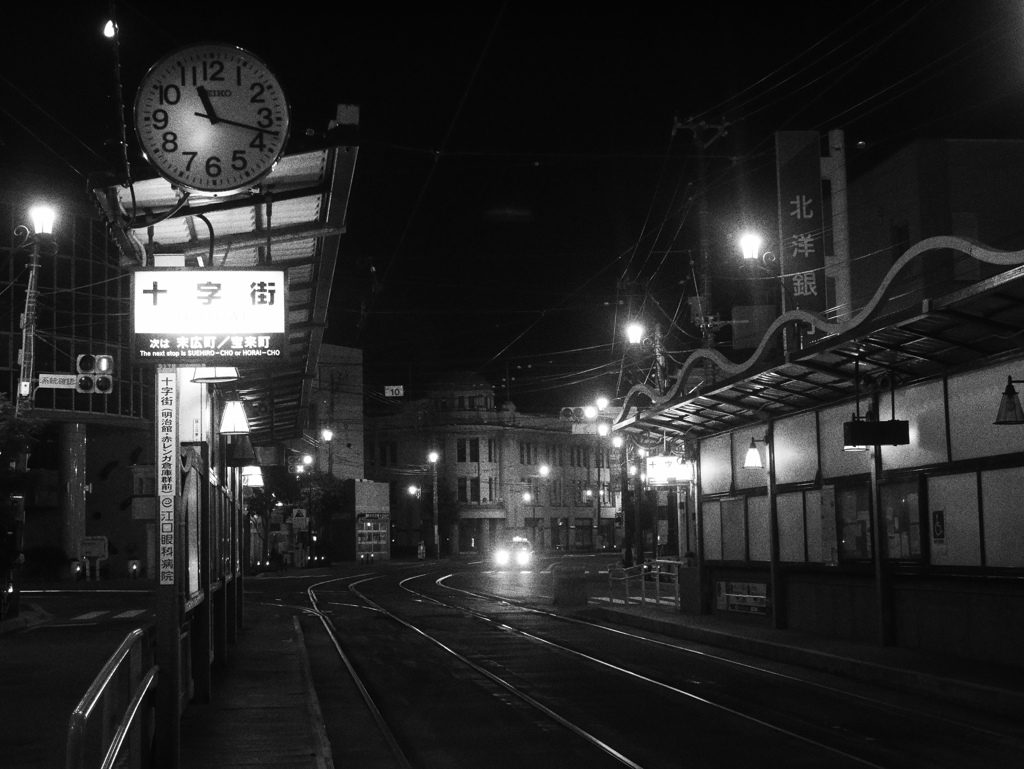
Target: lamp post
[(41, 237), (753, 461), (306, 467), (433, 458), (638, 527), (327, 434), (601, 430), (635, 334)]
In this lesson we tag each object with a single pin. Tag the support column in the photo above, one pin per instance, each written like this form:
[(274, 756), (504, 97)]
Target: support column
[(73, 486), (170, 568)]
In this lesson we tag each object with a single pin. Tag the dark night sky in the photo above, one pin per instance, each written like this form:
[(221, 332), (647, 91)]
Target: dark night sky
[(518, 169)]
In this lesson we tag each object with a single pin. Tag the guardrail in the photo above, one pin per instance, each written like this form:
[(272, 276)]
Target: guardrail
[(654, 582), (117, 712)]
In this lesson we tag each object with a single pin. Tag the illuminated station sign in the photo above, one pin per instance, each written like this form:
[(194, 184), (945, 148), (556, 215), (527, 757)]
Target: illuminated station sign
[(192, 317), (668, 471)]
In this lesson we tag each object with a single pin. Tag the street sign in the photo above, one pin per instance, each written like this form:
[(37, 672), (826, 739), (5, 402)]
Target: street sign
[(394, 391), (60, 381), (209, 317)]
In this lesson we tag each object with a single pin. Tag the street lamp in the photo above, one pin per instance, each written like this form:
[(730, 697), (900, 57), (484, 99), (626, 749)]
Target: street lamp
[(433, 458), (40, 239), (327, 434), (635, 334), (306, 467)]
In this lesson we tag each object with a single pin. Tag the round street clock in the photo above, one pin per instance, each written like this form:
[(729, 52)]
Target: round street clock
[(211, 118)]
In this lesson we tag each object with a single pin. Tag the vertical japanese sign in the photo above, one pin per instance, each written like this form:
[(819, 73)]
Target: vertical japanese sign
[(167, 469), (801, 222)]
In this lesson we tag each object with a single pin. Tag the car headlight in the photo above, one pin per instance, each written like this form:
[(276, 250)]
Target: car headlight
[(523, 557), (502, 557)]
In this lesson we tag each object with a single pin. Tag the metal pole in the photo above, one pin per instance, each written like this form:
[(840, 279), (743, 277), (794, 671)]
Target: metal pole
[(638, 528), (28, 334), (437, 541)]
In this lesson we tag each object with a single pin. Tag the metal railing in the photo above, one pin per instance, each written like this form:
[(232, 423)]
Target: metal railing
[(655, 582), (116, 715)]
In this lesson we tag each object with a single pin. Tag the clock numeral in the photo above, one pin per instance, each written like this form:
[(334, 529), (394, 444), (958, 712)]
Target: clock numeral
[(191, 156), (159, 119), (257, 142), (210, 70), (238, 160), (169, 94), (265, 119), (213, 167), (170, 142), (257, 93)]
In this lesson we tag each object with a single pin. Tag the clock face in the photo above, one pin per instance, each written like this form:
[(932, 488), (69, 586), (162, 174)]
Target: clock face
[(211, 118)]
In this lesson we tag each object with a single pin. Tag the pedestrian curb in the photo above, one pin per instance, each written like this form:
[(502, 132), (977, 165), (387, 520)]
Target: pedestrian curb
[(322, 745), (28, 617), (988, 698)]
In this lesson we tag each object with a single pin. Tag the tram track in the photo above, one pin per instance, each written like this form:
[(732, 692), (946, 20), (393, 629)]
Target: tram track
[(772, 671), (1003, 737), (518, 686)]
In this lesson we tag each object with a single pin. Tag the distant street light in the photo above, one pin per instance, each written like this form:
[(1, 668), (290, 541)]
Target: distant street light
[(433, 458), (327, 434)]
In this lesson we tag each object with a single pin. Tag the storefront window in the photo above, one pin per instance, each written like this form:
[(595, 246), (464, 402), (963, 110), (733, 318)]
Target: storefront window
[(853, 510), (902, 515)]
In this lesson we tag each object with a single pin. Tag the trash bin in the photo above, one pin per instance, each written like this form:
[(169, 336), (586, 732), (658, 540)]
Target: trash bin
[(569, 584)]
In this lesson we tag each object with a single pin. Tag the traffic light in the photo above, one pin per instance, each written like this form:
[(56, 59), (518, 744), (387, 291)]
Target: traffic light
[(95, 373)]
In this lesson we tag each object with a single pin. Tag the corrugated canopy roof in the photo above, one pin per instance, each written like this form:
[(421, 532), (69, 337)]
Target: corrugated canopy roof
[(292, 220), (968, 328)]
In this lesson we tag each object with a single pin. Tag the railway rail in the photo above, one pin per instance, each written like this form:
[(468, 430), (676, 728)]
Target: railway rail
[(565, 685)]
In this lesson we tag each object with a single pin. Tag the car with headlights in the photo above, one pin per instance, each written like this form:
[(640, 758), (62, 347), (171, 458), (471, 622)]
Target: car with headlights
[(516, 554)]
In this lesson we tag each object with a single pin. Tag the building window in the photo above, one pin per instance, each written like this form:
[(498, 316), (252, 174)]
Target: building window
[(492, 489), (388, 453), (527, 453), (902, 515), (463, 490), (468, 449), (853, 511), (492, 451), (474, 490)]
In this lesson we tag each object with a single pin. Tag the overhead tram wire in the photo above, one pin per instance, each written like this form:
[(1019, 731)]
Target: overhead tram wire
[(421, 196)]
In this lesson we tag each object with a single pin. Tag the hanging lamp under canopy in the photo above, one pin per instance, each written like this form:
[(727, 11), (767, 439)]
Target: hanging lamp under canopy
[(239, 452), (1010, 411), (215, 375), (233, 420), (753, 458)]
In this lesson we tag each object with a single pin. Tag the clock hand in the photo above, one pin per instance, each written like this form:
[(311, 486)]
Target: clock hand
[(239, 125), (204, 97)]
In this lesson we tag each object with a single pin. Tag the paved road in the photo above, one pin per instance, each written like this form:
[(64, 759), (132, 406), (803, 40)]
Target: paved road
[(584, 696)]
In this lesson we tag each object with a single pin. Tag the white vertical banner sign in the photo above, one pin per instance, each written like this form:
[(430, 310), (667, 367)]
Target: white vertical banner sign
[(167, 468)]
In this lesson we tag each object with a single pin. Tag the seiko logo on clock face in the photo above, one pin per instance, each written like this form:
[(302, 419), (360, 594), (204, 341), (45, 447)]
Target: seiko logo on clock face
[(211, 118)]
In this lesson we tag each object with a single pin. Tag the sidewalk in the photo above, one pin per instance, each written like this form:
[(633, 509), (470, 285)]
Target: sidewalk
[(264, 711), (988, 687)]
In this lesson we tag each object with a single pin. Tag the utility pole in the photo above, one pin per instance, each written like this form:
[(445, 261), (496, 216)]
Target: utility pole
[(704, 135)]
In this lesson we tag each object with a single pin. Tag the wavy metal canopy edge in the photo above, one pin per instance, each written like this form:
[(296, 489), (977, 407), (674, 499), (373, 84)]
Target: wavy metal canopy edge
[(976, 325)]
